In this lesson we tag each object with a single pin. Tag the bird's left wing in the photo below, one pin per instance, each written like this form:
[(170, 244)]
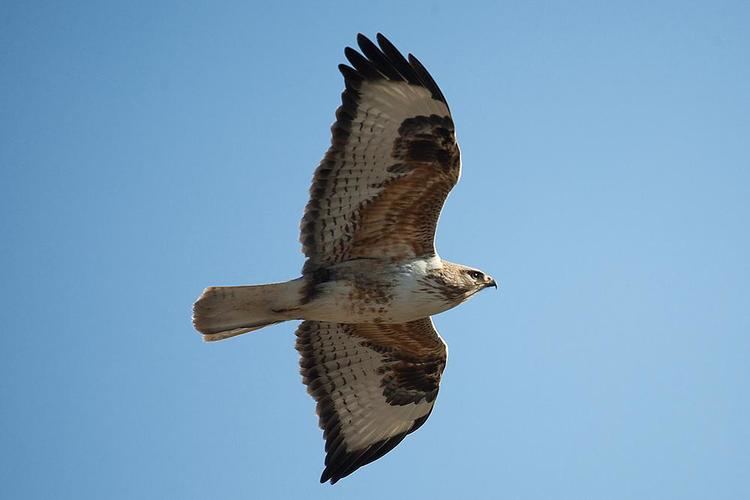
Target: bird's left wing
[(393, 159), (374, 384)]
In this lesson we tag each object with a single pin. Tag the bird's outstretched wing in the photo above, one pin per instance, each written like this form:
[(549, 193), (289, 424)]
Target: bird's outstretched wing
[(374, 384), (393, 159)]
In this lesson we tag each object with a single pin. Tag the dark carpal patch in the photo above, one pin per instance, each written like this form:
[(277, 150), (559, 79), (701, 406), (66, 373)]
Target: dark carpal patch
[(426, 140), (398, 168), (407, 381)]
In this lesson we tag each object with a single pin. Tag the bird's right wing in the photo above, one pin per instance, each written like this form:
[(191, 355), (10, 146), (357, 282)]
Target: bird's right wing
[(374, 384)]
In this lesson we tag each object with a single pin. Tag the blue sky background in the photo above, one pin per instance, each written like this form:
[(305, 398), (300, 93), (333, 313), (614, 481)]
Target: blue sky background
[(150, 149)]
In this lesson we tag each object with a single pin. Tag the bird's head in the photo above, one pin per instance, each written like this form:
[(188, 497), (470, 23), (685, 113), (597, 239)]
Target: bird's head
[(477, 280), (461, 282)]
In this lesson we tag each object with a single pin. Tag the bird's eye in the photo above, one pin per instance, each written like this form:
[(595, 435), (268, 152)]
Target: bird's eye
[(476, 275)]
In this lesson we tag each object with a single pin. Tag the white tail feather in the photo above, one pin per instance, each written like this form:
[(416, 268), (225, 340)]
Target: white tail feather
[(228, 311)]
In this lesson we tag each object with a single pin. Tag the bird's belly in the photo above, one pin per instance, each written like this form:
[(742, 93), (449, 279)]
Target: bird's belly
[(344, 302)]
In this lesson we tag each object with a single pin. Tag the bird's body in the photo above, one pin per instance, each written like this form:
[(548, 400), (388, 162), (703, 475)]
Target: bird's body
[(370, 355), (355, 291), (373, 291)]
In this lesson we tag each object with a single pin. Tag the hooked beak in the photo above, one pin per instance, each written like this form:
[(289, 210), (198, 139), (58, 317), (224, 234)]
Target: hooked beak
[(490, 283)]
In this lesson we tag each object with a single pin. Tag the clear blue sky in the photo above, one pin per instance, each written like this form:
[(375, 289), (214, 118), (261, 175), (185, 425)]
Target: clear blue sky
[(150, 149)]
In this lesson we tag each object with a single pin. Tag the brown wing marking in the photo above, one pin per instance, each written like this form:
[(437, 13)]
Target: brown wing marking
[(401, 221), (373, 384), (392, 161)]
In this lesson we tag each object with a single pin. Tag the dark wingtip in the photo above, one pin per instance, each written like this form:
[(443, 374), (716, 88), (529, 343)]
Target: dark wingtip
[(388, 61), (352, 77), (427, 79), (364, 66), (327, 476)]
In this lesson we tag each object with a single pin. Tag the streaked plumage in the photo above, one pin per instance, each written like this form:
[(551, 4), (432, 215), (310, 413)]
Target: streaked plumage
[(370, 355)]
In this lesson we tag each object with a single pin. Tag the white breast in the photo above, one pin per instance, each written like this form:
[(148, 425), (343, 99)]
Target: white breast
[(411, 301), (390, 294)]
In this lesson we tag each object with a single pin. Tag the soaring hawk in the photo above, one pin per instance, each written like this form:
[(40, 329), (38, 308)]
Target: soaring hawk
[(370, 355)]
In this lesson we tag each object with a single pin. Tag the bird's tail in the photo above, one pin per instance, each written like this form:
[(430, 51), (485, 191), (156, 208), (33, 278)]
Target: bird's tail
[(222, 312)]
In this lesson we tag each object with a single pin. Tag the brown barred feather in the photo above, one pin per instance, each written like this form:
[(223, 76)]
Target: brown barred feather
[(393, 159), (373, 384)]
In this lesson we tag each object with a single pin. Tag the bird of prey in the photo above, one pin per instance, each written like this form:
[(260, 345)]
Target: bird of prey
[(370, 354)]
